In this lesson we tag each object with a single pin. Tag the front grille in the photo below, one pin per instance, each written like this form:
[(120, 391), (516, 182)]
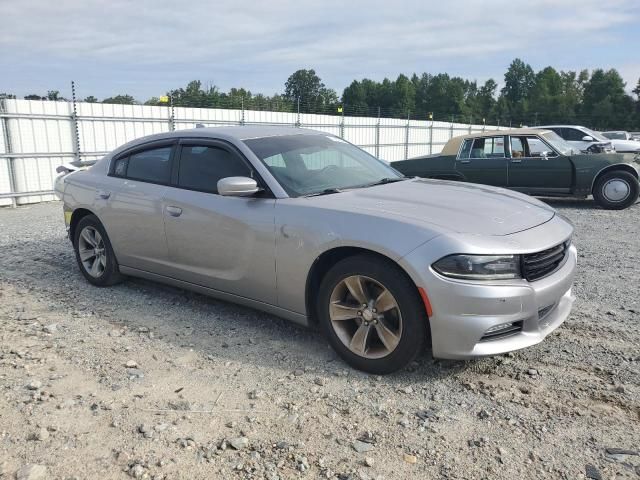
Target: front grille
[(505, 330), (540, 264)]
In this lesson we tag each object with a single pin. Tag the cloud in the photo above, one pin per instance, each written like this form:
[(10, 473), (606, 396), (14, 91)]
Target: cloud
[(259, 43)]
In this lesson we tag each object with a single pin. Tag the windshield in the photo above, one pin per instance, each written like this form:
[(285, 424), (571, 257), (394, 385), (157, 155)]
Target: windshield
[(598, 136), (615, 135), (558, 143), (313, 164)]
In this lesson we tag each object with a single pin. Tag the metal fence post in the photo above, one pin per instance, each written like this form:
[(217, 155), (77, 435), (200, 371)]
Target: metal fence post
[(406, 137), (470, 122), (342, 122), (172, 115), (451, 129), (431, 138), (4, 125), (378, 135), (242, 114), (298, 117), (74, 123)]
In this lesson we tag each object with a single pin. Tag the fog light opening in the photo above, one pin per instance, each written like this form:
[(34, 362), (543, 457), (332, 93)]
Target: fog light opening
[(502, 330)]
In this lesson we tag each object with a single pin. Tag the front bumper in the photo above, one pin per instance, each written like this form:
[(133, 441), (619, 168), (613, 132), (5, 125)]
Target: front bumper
[(465, 312)]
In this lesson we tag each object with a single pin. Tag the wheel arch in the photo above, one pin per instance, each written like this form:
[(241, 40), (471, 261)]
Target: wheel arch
[(77, 215), (330, 257), (625, 167)]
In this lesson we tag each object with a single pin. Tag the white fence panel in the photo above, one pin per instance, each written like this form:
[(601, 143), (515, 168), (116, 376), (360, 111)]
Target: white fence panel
[(42, 135)]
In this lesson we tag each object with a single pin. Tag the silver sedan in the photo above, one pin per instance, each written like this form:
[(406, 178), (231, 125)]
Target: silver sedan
[(306, 226)]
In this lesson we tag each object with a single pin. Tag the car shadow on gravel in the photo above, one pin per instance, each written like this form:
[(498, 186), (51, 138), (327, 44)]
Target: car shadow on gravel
[(185, 319)]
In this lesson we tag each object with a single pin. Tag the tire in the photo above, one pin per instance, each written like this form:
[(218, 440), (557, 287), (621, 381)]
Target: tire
[(99, 269), (616, 190), (404, 326)]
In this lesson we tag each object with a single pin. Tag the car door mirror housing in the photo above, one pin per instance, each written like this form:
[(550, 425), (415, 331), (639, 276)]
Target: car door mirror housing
[(237, 187), (587, 138)]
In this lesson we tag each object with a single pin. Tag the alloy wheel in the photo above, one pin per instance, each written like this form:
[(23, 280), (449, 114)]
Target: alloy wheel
[(92, 252), (365, 316)]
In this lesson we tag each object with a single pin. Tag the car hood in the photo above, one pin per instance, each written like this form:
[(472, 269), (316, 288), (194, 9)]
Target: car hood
[(452, 206), (626, 145)]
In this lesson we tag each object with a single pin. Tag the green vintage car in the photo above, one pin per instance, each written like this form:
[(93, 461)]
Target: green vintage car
[(536, 162)]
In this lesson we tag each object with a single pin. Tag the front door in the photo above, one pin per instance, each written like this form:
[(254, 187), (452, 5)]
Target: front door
[(224, 243), (483, 160), (534, 167)]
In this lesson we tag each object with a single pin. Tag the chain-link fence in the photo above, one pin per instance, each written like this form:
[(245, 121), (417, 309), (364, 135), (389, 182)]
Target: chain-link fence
[(37, 136)]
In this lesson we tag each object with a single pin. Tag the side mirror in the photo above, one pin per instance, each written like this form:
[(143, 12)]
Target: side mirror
[(588, 138), (545, 155), (237, 187)]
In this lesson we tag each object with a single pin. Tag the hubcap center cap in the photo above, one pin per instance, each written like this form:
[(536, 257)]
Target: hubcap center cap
[(367, 314)]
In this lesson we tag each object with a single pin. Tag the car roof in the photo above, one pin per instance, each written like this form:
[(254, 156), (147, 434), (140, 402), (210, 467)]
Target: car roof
[(223, 133), (453, 146), (559, 126)]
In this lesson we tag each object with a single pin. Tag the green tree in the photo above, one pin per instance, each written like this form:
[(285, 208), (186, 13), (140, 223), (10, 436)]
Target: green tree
[(120, 99), (605, 103), (90, 99), (404, 95), (7, 95), (486, 99), (34, 96), (307, 87), (355, 98), (546, 95), (519, 81), (54, 95)]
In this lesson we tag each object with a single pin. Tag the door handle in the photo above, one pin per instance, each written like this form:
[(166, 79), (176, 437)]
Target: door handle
[(103, 194), (516, 160), (465, 161), (174, 211)]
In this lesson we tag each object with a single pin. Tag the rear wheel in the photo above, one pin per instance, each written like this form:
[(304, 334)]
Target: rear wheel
[(372, 314), (616, 190), (94, 253)]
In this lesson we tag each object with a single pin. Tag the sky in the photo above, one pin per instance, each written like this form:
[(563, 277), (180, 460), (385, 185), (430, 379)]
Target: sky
[(146, 47)]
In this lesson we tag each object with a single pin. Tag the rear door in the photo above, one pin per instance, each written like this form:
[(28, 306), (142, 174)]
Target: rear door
[(132, 210), (483, 160), (221, 242), (534, 166)]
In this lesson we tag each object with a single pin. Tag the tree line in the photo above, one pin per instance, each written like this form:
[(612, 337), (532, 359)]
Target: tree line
[(597, 99)]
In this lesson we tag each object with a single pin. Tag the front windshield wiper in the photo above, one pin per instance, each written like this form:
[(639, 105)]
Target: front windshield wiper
[(383, 181), (326, 191)]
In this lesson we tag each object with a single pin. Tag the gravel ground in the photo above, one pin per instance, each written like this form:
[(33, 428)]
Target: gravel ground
[(146, 381)]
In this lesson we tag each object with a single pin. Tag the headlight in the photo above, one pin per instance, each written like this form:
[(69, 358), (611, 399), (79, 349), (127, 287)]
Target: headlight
[(479, 267)]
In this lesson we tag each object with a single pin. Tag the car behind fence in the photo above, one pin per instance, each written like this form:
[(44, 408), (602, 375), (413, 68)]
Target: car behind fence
[(37, 136)]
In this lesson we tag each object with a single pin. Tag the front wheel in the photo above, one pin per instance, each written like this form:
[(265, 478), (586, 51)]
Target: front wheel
[(94, 253), (372, 314), (616, 190)]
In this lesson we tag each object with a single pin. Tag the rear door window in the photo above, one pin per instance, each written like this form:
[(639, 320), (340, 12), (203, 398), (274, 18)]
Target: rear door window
[(488, 147), (152, 165)]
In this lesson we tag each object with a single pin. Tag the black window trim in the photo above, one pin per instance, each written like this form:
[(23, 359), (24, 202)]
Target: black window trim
[(225, 145), (152, 145)]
